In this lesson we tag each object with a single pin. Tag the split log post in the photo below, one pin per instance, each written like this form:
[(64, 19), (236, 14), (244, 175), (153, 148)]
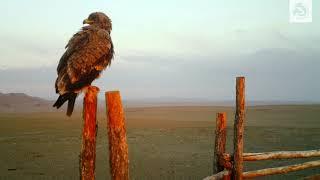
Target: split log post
[(88, 150), (118, 148), (239, 129), (220, 142)]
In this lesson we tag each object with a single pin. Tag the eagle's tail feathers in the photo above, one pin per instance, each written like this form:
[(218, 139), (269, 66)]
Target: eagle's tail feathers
[(70, 97), (61, 100), (71, 101)]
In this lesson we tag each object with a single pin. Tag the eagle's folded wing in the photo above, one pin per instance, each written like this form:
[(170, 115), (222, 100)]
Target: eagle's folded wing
[(78, 40), (86, 50)]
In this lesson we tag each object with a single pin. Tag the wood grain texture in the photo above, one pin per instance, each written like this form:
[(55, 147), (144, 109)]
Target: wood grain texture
[(239, 129), (118, 147), (88, 150)]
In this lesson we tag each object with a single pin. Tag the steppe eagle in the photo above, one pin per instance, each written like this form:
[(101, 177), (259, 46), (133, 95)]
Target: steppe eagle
[(87, 53)]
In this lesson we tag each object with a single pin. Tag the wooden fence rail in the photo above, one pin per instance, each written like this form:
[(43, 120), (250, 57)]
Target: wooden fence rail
[(223, 175), (275, 155), (281, 170), (230, 166)]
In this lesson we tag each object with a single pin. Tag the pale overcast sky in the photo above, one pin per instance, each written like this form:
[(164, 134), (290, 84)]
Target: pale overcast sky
[(183, 49)]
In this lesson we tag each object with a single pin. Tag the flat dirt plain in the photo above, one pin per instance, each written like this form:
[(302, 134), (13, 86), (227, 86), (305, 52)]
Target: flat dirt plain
[(164, 142)]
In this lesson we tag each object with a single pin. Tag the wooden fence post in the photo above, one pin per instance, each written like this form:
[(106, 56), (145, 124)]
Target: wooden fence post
[(88, 150), (239, 129), (220, 142), (118, 148)]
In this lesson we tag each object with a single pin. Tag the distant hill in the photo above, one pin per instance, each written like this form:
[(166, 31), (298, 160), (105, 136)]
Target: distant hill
[(20, 102)]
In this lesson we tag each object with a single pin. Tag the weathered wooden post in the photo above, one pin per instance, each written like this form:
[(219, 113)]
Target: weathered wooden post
[(239, 129), (220, 141), (88, 150), (118, 148)]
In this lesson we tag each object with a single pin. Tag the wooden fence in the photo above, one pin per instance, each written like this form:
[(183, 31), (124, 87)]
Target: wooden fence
[(226, 166), (230, 166)]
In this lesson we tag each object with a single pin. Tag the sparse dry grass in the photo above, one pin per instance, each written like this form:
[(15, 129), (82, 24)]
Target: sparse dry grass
[(164, 142)]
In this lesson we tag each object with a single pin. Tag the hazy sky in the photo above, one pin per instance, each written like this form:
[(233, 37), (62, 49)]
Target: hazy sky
[(184, 49)]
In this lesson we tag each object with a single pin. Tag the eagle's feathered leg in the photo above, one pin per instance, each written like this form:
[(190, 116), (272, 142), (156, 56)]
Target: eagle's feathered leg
[(70, 97)]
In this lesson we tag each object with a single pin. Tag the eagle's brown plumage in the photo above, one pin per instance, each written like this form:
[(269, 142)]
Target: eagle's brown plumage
[(88, 52)]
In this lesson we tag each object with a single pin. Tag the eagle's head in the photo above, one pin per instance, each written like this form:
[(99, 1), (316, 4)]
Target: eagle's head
[(99, 19)]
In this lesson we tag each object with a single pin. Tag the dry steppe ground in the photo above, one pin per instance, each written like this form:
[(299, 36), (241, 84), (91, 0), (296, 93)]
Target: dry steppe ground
[(164, 142)]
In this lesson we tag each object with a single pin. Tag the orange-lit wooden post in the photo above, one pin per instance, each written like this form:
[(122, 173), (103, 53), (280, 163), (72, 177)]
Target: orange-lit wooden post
[(88, 150), (220, 141), (118, 147), (239, 129)]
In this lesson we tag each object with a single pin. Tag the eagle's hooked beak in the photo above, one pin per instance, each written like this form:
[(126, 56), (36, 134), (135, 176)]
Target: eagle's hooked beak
[(87, 21)]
